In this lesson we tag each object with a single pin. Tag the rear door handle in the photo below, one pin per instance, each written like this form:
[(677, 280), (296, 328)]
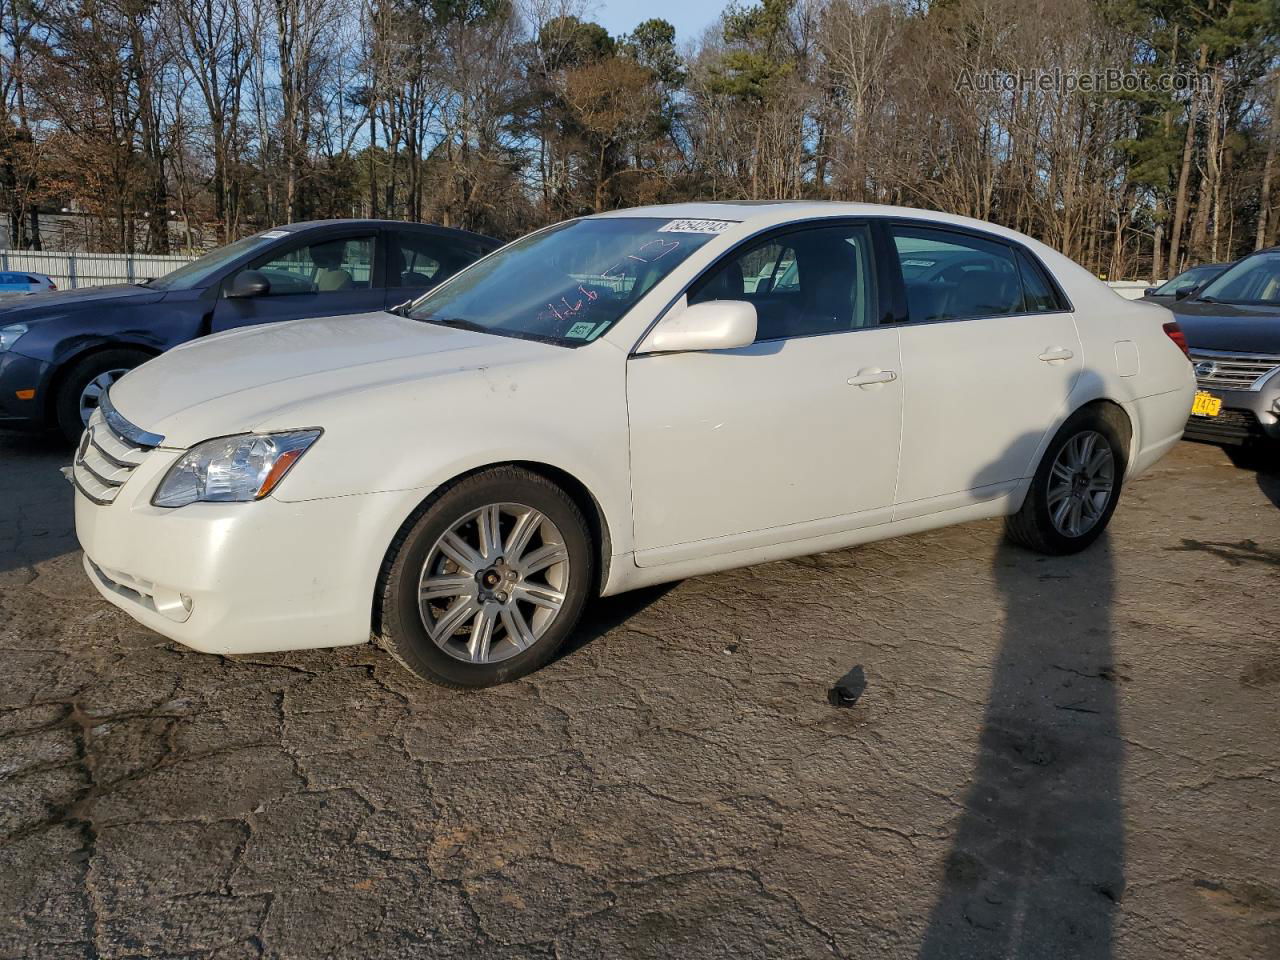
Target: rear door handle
[(872, 377), (1056, 355)]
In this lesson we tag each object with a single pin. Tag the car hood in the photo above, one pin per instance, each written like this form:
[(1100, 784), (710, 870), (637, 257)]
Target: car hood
[(277, 375), (1226, 326), (52, 302)]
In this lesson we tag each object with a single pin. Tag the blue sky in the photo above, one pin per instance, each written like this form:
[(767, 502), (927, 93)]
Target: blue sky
[(689, 17)]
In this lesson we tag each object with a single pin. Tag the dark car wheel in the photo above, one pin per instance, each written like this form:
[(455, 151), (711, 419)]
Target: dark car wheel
[(487, 580), (1077, 485), (80, 390)]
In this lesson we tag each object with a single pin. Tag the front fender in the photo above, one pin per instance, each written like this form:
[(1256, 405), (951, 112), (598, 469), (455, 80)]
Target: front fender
[(569, 414), (154, 327)]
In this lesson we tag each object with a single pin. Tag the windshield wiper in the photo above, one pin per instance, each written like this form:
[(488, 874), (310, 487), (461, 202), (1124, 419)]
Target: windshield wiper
[(457, 323)]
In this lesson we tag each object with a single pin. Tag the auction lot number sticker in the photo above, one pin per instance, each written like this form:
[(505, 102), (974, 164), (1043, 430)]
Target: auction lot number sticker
[(696, 226)]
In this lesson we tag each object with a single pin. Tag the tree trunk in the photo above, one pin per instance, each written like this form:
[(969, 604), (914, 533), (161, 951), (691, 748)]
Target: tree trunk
[(1184, 178), (1264, 190), (1209, 182)]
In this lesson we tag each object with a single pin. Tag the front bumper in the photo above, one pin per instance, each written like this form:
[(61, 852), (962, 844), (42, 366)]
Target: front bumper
[(238, 577), (20, 374), (1247, 416)]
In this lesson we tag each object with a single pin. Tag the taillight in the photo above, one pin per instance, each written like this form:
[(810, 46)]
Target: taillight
[(1179, 338)]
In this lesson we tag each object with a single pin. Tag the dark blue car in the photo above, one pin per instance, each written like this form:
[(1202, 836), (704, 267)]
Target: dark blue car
[(60, 351)]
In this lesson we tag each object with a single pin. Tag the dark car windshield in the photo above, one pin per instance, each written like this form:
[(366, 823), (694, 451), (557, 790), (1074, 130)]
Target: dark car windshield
[(1254, 280), (1186, 280), (570, 283), (198, 272)]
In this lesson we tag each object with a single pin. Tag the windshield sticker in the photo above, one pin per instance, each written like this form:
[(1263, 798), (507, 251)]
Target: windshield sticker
[(654, 250), (651, 251), (275, 234), (696, 226), (580, 330)]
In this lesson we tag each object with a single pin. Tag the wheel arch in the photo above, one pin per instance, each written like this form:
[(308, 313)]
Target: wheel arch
[(1101, 402), (58, 375), (1120, 416), (577, 491)]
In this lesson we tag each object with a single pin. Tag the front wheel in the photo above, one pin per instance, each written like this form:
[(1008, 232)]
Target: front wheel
[(82, 388), (1077, 485), (487, 581)]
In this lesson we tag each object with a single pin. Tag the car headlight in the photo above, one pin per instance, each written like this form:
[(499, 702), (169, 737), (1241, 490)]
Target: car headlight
[(232, 469), (9, 335)]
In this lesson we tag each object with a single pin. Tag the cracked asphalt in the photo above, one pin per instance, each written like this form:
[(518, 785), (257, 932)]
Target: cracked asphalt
[(1069, 757)]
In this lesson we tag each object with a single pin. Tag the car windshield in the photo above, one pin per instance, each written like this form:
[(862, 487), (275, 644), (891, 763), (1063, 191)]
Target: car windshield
[(197, 272), (1185, 280), (568, 284), (1254, 279)]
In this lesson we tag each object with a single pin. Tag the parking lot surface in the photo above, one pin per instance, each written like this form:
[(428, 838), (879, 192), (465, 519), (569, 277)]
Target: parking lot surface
[(1072, 757)]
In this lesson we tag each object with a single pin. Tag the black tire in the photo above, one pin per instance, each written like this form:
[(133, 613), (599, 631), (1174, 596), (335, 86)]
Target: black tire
[(400, 628), (66, 402), (1032, 526)]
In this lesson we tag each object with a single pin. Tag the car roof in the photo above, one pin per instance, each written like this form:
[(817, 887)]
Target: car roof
[(381, 224), (763, 213)]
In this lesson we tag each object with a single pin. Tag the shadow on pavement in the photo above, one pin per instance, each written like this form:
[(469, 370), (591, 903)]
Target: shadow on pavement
[(36, 506), (1264, 462), (1269, 483), (1268, 476), (605, 613), (1036, 866)]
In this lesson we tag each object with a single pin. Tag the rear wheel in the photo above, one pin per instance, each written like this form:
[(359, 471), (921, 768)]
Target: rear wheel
[(82, 388), (488, 580), (1077, 485)]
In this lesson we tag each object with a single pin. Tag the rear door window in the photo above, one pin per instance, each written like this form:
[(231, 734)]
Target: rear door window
[(1038, 294), (419, 259), (955, 276)]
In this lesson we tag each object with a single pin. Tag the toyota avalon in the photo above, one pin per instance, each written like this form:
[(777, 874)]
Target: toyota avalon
[(616, 401)]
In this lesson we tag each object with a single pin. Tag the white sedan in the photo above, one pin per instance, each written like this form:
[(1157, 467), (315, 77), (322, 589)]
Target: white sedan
[(609, 403)]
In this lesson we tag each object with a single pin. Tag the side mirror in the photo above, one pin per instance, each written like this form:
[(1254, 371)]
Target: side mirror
[(1184, 293), (1149, 292), (249, 283), (713, 325)]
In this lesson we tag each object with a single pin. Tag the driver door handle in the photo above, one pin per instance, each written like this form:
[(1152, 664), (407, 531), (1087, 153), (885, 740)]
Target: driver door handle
[(872, 377), (1056, 354)]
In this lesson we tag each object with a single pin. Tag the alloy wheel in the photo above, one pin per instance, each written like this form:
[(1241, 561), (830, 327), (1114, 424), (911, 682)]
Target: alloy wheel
[(1081, 483), (493, 583)]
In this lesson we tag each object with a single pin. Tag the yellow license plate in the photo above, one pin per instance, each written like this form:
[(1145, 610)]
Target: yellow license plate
[(1206, 404)]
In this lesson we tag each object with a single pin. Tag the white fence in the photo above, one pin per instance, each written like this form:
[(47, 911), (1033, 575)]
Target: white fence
[(1131, 289), (72, 270)]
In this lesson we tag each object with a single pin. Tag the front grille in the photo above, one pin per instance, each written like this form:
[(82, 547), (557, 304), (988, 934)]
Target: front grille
[(1232, 371), (1229, 426), (110, 449)]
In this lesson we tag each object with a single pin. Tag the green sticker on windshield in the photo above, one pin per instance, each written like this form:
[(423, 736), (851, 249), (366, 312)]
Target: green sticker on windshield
[(580, 330)]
